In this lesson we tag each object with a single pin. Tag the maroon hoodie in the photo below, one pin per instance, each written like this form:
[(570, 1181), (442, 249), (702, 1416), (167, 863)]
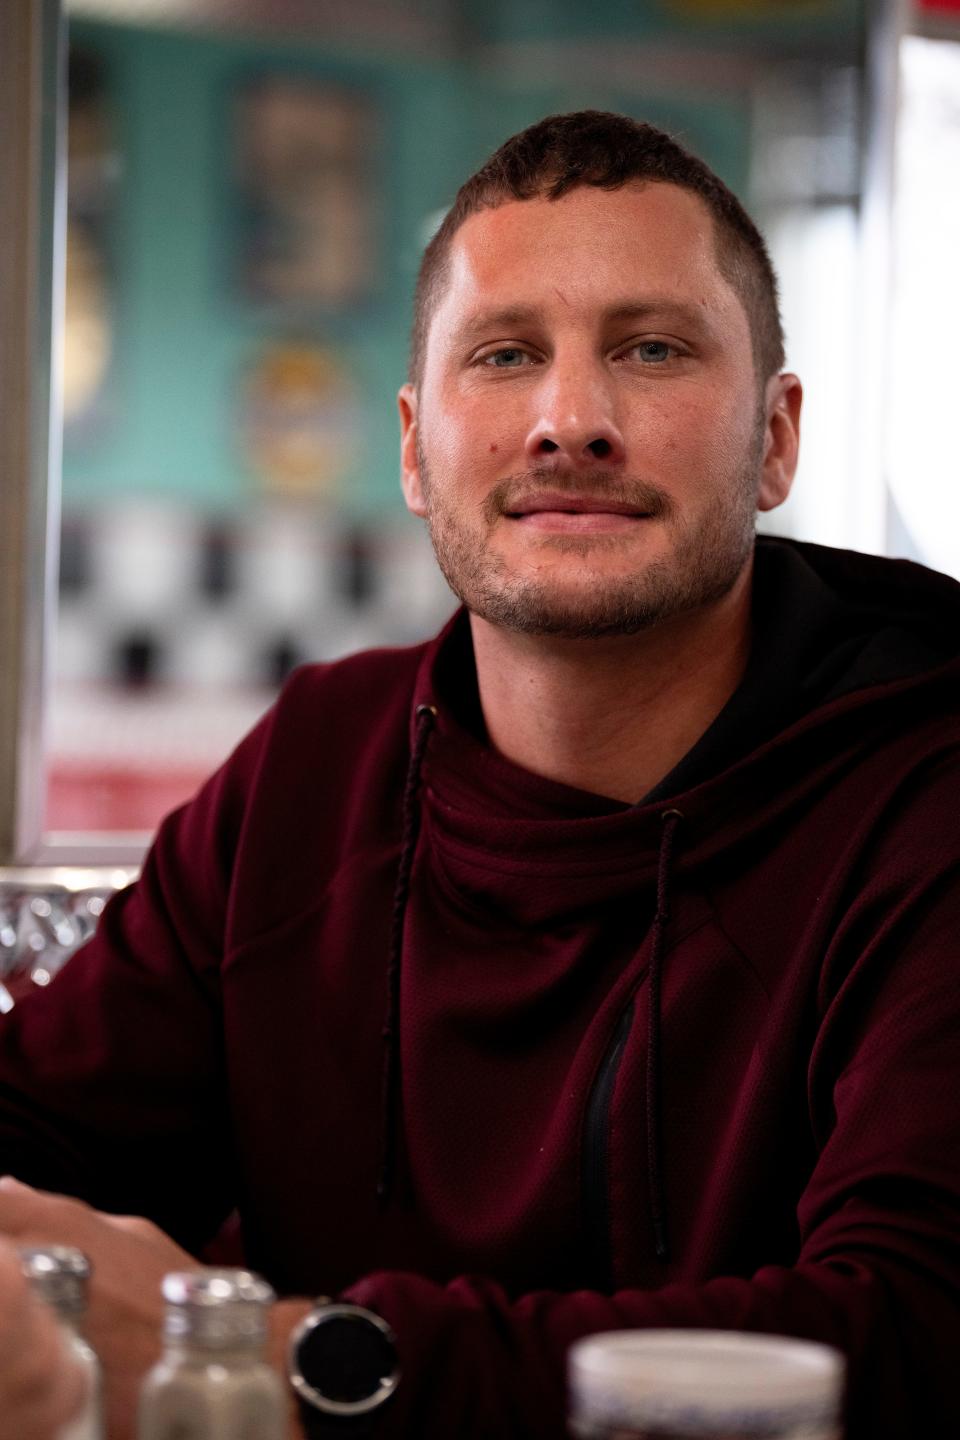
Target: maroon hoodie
[(512, 1063)]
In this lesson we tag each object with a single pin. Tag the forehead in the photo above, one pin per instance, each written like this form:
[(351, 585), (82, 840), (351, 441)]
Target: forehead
[(590, 250)]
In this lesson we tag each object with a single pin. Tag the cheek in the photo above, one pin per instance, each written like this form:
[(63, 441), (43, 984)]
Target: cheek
[(698, 430), (674, 427), (470, 435)]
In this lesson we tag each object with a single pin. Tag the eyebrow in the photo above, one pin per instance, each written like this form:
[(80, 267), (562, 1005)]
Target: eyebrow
[(695, 315), (505, 319), (513, 316)]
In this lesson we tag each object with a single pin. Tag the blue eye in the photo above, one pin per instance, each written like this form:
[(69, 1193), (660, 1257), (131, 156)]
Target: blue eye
[(506, 359), (653, 351)]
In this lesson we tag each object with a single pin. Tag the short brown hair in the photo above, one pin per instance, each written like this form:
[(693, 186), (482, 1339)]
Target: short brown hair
[(594, 147)]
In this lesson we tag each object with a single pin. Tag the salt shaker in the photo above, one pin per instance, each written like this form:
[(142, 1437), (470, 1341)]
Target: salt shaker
[(212, 1381), (60, 1274)]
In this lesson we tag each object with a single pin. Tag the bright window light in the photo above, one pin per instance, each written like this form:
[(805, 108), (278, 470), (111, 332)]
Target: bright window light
[(924, 371)]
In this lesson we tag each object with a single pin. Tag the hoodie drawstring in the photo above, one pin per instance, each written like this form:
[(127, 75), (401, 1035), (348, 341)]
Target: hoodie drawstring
[(669, 820), (390, 1094)]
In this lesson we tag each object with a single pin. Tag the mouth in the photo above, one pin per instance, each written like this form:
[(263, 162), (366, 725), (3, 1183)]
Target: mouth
[(591, 514)]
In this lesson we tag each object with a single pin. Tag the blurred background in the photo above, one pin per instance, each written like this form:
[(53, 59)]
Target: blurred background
[(250, 184)]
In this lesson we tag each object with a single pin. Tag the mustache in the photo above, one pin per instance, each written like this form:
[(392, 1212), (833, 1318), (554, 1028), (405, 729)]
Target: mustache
[(514, 492)]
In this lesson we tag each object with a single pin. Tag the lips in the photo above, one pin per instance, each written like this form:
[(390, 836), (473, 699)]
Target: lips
[(565, 504), (552, 513)]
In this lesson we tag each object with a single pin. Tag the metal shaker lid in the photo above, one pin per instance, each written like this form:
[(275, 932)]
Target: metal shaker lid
[(217, 1307), (60, 1273)]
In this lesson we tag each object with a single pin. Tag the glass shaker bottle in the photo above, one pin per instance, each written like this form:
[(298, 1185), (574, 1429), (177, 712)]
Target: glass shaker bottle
[(212, 1381), (60, 1274)]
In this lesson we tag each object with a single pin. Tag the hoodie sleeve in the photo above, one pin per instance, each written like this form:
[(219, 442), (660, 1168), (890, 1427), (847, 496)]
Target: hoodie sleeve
[(132, 1116), (878, 1269), (478, 1362)]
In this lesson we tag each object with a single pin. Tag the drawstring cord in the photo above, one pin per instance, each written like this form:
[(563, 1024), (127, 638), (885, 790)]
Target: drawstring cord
[(390, 1097), (390, 1093), (670, 819)]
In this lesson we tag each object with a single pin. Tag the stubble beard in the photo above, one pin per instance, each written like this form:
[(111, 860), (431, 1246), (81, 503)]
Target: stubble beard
[(704, 562)]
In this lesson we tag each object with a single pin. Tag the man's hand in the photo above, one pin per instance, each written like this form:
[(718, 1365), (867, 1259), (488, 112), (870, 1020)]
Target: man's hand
[(41, 1385), (129, 1257)]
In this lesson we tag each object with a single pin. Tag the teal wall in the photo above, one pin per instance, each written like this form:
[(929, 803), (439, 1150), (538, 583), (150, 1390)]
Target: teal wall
[(185, 336), (826, 23)]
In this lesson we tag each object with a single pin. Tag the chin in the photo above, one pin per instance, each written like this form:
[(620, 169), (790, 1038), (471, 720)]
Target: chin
[(541, 611), (597, 606)]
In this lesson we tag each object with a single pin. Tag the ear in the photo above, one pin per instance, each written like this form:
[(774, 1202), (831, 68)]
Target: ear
[(410, 479), (781, 444)]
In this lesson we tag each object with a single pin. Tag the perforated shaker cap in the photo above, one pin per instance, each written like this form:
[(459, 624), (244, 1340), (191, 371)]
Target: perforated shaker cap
[(60, 1274), (217, 1308), (707, 1382)]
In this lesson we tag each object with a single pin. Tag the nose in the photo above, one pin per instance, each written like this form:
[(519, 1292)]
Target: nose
[(575, 417)]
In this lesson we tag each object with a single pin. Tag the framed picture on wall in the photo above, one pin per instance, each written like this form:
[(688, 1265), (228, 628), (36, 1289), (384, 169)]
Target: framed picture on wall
[(307, 201), (93, 172)]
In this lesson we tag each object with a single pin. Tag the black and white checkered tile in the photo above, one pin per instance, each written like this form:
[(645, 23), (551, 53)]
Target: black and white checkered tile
[(156, 593)]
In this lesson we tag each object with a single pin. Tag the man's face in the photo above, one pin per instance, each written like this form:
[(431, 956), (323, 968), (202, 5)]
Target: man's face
[(589, 443)]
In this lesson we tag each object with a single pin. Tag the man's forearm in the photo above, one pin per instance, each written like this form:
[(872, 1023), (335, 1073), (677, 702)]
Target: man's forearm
[(477, 1361)]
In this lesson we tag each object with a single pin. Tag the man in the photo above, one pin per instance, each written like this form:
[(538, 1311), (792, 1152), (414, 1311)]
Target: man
[(593, 965)]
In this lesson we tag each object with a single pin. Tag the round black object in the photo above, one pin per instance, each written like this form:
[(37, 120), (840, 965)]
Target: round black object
[(344, 1360)]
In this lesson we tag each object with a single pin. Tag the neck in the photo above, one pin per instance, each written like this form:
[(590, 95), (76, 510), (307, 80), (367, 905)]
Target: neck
[(612, 716)]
